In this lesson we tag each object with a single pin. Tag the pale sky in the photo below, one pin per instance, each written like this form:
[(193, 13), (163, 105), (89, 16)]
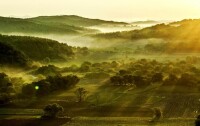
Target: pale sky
[(120, 10)]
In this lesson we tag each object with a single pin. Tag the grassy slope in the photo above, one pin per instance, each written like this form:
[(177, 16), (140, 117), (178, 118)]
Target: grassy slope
[(131, 121), (97, 121), (121, 99), (32, 121), (105, 100), (127, 105)]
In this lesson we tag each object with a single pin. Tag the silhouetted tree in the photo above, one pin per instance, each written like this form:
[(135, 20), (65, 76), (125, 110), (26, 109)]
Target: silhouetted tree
[(197, 121), (5, 98), (171, 80), (50, 84), (52, 111), (157, 77), (157, 114), (81, 94), (187, 80)]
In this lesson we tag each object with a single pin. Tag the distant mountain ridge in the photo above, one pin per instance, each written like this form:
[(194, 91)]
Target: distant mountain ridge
[(52, 25), (145, 22), (181, 36), (74, 20), (17, 25)]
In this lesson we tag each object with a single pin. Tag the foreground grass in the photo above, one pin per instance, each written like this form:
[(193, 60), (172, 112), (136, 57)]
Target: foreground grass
[(131, 121), (95, 121), (32, 121)]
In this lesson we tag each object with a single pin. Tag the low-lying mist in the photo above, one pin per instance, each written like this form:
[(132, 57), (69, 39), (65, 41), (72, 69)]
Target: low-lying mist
[(83, 40)]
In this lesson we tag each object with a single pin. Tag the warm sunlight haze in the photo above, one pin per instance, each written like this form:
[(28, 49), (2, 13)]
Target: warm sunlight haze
[(121, 10), (99, 62)]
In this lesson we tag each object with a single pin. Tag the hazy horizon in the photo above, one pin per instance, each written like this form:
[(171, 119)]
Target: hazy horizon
[(116, 10)]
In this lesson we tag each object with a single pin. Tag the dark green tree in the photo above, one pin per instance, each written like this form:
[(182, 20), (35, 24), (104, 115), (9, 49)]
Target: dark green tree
[(81, 94), (52, 111), (157, 114), (197, 121)]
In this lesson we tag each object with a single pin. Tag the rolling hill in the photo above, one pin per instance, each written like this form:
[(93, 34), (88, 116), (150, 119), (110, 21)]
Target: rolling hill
[(62, 25), (34, 48), (145, 22), (176, 30), (73, 20), (11, 56), (182, 36), (17, 25)]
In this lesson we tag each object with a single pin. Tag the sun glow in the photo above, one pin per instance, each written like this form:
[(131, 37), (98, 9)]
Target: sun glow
[(194, 3), (128, 10)]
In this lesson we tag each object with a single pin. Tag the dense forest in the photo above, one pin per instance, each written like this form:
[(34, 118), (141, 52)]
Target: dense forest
[(11, 56), (37, 48)]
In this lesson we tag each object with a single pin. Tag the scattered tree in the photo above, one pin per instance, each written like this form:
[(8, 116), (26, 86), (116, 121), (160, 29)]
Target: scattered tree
[(157, 77), (81, 94), (50, 84), (187, 79)]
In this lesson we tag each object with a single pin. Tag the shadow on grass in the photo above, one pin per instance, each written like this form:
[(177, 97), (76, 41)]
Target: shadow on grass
[(34, 122)]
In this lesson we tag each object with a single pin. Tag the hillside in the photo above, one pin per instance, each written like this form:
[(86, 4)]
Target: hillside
[(17, 25), (38, 48), (73, 20), (180, 36), (11, 56), (145, 22), (182, 30), (62, 25)]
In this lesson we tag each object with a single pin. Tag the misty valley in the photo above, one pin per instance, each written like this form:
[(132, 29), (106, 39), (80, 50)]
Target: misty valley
[(76, 71)]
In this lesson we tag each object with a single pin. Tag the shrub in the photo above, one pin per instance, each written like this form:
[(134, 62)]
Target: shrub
[(157, 77), (52, 111), (4, 98), (157, 114), (197, 121)]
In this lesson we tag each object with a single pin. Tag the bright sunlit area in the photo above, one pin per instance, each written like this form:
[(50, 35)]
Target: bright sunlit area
[(121, 10)]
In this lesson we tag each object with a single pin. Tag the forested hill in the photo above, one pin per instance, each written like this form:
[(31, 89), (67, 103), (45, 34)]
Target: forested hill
[(73, 20), (11, 56), (33, 48), (183, 30), (17, 25), (59, 25), (179, 37)]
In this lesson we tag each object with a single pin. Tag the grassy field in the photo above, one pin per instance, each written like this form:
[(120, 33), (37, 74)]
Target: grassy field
[(96, 121), (114, 106), (123, 121), (108, 105)]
